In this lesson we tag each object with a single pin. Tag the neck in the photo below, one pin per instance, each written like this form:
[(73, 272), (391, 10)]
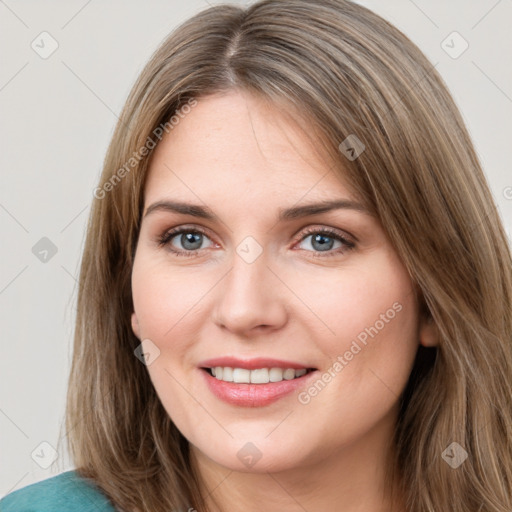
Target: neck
[(354, 478)]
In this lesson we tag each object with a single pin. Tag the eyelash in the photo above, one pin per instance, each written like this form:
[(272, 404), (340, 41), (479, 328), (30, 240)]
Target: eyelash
[(165, 238)]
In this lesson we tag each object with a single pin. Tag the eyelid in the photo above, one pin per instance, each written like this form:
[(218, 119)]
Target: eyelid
[(169, 234), (343, 235)]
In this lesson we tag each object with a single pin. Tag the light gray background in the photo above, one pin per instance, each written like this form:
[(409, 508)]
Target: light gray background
[(57, 116)]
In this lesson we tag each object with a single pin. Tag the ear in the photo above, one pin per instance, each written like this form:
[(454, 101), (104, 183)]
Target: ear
[(428, 333), (135, 325)]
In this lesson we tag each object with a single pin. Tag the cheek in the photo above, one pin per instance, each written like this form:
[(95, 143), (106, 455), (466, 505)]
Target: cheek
[(354, 300), (166, 301), (166, 304), (372, 311), (368, 317)]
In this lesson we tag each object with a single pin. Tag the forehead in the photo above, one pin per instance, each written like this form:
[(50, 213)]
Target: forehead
[(236, 143)]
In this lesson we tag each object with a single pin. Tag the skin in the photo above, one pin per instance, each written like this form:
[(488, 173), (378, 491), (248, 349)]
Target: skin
[(246, 161)]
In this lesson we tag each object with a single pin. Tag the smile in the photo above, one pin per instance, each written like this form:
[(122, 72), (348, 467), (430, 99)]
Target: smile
[(255, 382)]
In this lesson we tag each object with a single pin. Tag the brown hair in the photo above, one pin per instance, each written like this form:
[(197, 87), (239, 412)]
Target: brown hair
[(348, 72)]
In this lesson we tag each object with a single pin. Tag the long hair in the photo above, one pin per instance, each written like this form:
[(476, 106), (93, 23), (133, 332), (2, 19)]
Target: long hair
[(347, 72)]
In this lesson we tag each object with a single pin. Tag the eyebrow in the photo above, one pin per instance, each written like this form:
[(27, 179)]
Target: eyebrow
[(294, 212)]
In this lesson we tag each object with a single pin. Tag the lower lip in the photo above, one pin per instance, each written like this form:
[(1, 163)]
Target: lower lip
[(253, 395)]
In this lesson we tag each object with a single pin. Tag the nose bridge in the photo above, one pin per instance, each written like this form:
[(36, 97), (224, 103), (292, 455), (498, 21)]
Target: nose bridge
[(249, 294)]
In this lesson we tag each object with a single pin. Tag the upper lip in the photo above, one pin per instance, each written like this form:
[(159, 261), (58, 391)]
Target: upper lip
[(252, 364)]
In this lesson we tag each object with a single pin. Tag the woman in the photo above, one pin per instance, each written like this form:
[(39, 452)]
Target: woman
[(296, 291)]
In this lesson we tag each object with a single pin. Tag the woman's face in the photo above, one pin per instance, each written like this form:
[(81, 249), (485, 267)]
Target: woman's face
[(258, 280)]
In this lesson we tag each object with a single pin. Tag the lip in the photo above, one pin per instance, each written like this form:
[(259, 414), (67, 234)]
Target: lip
[(252, 364), (253, 395)]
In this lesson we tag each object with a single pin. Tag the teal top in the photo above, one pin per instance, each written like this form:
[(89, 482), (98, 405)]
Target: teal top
[(67, 492)]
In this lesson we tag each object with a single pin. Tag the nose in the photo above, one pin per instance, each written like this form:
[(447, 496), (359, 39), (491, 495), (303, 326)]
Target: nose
[(250, 299)]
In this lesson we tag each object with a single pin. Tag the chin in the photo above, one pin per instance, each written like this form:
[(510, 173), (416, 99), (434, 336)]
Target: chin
[(259, 456)]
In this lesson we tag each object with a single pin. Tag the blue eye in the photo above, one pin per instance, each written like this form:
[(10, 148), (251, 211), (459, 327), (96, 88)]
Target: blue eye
[(324, 241), (189, 241), (321, 242)]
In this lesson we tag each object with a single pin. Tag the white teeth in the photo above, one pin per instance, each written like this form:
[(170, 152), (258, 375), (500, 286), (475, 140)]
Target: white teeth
[(258, 376), (227, 374), (289, 374), (275, 374), (241, 375)]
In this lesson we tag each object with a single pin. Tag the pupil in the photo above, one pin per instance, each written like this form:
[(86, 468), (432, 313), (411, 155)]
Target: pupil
[(321, 239), (191, 238)]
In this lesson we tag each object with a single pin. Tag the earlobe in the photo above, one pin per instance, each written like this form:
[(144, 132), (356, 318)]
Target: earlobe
[(428, 333), (135, 325)]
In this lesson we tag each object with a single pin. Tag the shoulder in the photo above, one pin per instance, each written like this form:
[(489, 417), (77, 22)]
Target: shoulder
[(61, 493)]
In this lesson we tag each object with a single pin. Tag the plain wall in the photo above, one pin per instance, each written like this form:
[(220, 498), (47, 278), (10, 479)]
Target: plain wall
[(57, 117)]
